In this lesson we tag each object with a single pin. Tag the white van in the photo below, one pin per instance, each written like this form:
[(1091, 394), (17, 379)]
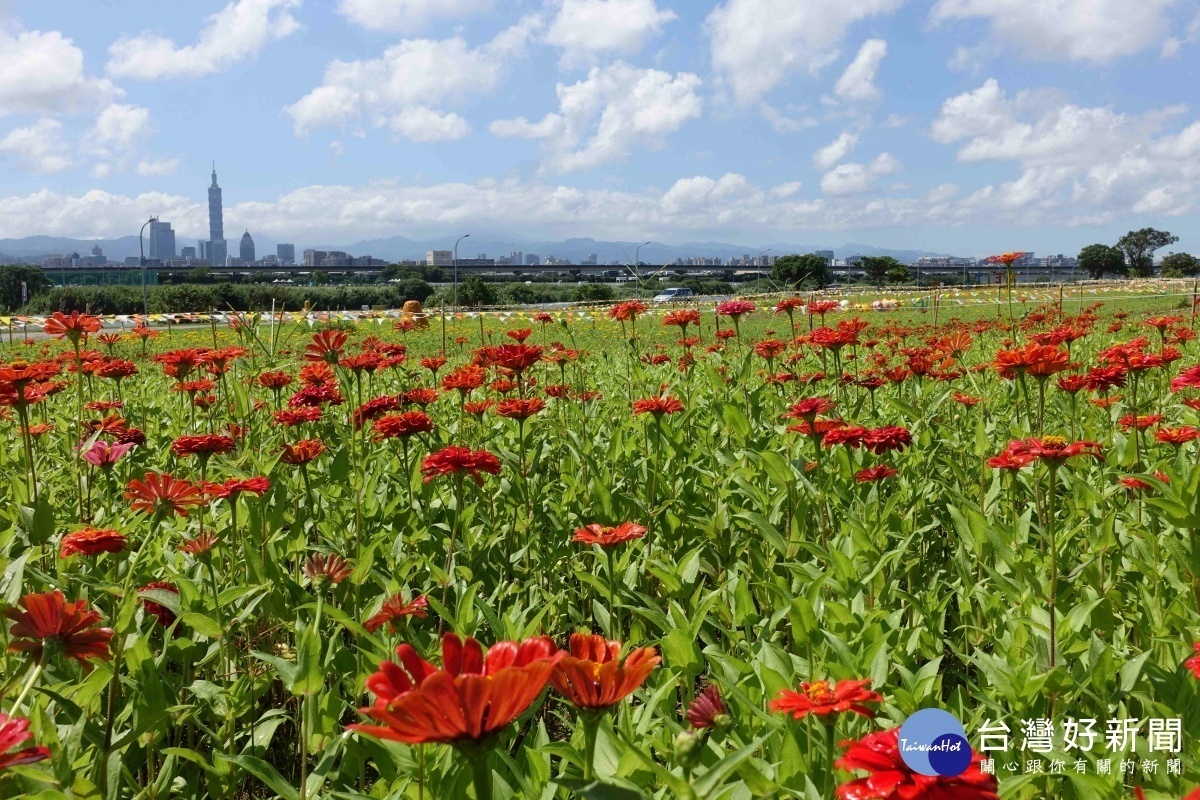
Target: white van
[(671, 295)]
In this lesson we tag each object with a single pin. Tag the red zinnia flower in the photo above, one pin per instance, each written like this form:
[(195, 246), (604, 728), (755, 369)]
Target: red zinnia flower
[(516, 357), (402, 425), (521, 409), (91, 542), (204, 445), (433, 364), (605, 536), (594, 677), (14, 731), (455, 460), (326, 346), (48, 621), (848, 435), (708, 709), (1188, 379), (890, 778), (822, 699), (1010, 460), (966, 399), (332, 568), (665, 404), (159, 492), (883, 440), (235, 486), (201, 545), (1139, 421), (396, 608), (735, 308), (1054, 450), (1038, 360), (626, 311), (682, 318), (164, 615), (474, 695), (809, 408), (419, 397), (872, 474), (1193, 663), (478, 408), (302, 451), (298, 416), (1178, 436), (375, 408), (464, 379), (274, 380)]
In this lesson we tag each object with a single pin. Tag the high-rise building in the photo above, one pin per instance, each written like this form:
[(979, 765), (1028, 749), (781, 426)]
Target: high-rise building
[(825, 254), (286, 253), (216, 251), (532, 259), (188, 253), (439, 258), (247, 248), (162, 241)]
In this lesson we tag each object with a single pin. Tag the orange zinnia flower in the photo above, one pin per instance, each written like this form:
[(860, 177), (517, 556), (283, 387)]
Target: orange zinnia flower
[(472, 697), (595, 533), (302, 451), (158, 492), (74, 326), (91, 542), (593, 676), (396, 608), (821, 699), (665, 404), (48, 621)]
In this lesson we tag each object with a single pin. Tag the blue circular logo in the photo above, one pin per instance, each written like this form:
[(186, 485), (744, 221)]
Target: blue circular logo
[(934, 743)]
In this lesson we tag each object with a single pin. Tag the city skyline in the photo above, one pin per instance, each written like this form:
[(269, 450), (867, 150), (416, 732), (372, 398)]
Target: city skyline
[(948, 127)]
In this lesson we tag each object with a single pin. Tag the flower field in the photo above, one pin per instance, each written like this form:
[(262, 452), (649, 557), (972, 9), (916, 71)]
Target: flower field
[(715, 552)]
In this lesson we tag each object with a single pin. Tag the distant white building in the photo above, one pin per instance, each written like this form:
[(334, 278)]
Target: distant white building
[(439, 258)]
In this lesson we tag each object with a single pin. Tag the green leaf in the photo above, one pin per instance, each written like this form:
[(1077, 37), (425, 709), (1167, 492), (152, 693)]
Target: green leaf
[(265, 773), (595, 790), (712, 779), (201, 623), (310, 677)]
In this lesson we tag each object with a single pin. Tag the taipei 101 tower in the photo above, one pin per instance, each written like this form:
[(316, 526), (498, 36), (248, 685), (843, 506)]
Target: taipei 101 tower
[(215, 249)]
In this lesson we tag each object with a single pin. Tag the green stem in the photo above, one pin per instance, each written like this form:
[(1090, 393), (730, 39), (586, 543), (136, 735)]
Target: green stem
[(482, 770), (590, 721)]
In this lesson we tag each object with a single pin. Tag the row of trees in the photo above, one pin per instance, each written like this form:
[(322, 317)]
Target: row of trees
[(1133, 256)]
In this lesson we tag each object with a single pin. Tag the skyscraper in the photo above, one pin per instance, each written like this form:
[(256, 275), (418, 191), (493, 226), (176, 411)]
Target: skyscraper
[(162, 241), (217, 249), (247, 248), (286, 253)]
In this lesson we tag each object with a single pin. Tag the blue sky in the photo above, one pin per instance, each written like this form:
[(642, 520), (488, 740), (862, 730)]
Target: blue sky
[(964, 126)]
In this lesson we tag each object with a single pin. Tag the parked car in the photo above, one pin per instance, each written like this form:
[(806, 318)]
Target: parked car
[(671, 295)]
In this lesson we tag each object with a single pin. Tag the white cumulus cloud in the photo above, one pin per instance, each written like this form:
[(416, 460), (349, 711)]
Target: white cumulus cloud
[(757, 43), (858, 81), (39, 147), (404, 88), (157, 167), (406, 16), (42, 73), (584, 29), (1074, 30), (602, 118), (239, 31), (836, 150)]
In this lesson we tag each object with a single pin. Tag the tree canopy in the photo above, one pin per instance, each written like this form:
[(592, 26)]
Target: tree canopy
[(1099, 260), (794, 269), (1176, 265), (11, 278), (878, 269), (1139, 247)]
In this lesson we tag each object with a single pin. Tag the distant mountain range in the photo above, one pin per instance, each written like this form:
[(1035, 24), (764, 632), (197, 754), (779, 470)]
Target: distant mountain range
[(398, 248)]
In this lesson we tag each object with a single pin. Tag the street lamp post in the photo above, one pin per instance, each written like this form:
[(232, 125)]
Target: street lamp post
[(761, 264), (142, 260), (464, 236), (637, 265)]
